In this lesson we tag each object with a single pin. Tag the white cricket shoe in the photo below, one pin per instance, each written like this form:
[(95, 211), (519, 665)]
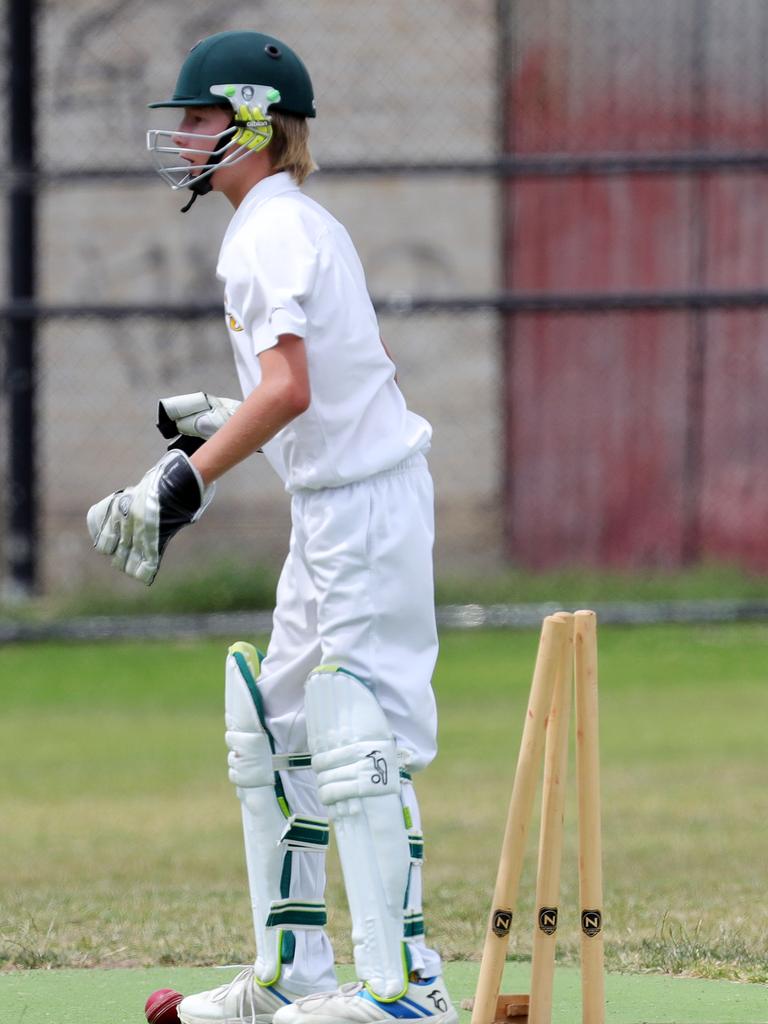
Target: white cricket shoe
[(426, 1000), (240, 1001)]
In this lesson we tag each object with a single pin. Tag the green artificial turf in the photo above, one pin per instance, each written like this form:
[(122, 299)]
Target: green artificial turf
[(118, 996), (120, 843)]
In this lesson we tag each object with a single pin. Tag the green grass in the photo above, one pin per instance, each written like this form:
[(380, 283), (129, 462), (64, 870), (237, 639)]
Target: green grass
[(585, 587), (120, 841), (229, 587), (223, 588)]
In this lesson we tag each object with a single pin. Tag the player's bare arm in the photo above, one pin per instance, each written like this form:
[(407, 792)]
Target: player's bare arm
[(282, 395), (133, 525)]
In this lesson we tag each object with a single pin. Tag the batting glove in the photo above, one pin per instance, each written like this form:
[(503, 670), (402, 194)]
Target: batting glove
[(135, 524), (195, 417)]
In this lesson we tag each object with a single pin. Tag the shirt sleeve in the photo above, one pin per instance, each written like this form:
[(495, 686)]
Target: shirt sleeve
[(283, 267)]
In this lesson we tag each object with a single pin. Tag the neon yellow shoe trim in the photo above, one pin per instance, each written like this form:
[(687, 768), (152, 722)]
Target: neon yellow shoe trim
[(266, 984), (393, 999)]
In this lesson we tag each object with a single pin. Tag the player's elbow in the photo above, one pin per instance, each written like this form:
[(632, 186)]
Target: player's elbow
[(295, 397), (301, 401)]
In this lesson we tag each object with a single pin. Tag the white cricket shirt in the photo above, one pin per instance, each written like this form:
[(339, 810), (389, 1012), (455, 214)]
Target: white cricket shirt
[(289, 267)]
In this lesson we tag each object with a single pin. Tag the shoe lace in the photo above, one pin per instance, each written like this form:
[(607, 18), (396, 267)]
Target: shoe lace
[(351, 988), (245, 982)]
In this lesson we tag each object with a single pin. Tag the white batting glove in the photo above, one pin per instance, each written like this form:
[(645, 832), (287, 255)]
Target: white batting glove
[(134, 525), (195, 415)]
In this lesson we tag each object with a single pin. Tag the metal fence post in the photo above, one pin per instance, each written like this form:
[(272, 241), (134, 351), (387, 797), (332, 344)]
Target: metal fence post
[(693, 464), (21, 552), (505, 22)]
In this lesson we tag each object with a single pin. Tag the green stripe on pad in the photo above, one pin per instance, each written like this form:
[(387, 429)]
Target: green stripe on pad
[(416, 844), (294, 761), (246, 672), (307, 914), (413, 925), (306, 833), (332, 669)]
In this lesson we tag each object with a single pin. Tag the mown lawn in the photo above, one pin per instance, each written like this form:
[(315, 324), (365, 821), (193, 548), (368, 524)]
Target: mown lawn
[(120, 838)]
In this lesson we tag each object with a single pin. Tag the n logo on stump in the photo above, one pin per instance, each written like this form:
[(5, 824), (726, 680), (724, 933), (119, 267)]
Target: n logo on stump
[(548, 920), (502, 922), (591, 922)]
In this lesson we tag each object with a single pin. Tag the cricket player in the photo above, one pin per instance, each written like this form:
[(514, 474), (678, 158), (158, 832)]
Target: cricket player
[(341, 712)]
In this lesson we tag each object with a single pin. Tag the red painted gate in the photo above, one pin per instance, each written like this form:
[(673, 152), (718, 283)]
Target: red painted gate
[(636, 438)]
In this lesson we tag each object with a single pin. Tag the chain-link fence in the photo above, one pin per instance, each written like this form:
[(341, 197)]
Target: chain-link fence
[(394, 82), (496, 164)]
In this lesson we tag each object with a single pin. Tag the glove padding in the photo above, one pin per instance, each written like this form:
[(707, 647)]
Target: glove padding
[(134, 525), (196, 415)]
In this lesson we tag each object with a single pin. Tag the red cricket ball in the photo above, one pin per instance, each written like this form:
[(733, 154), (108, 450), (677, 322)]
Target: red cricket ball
[(160, 1008)]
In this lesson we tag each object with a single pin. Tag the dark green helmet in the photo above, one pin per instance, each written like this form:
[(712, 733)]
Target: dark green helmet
[(243, 57)]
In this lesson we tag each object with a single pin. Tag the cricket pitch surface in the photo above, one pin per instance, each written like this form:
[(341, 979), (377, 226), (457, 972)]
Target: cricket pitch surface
[(118, 996)]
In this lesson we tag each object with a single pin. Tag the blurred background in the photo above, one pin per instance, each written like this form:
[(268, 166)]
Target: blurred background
[(562, 212)]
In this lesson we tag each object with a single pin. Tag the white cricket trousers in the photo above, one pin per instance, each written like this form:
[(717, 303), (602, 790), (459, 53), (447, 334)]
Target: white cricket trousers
[(356, 591)]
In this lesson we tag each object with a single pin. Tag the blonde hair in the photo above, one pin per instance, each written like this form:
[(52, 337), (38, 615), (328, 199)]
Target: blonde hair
[(289, 148)]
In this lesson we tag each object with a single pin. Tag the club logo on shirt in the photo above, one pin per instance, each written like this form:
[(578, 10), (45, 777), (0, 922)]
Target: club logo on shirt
[(233, 324)]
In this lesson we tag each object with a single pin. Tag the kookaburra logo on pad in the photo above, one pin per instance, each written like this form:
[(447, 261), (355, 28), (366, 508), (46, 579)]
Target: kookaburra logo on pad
[(379, 765)]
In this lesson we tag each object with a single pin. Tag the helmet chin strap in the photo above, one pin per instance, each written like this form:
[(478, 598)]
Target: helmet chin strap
[(198, 188), (204, 186)]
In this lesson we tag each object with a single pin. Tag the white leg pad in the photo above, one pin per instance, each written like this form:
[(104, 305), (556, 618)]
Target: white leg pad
[(270, 831), (355, 758)]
